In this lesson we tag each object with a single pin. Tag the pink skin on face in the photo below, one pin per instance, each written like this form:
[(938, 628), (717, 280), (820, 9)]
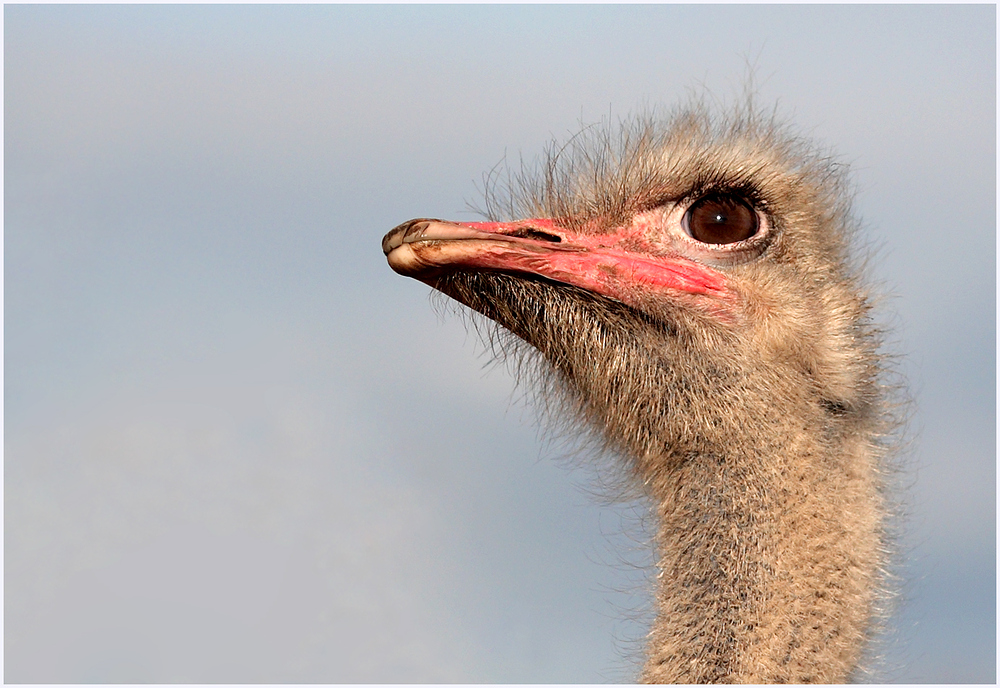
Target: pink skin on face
[(623, 264)]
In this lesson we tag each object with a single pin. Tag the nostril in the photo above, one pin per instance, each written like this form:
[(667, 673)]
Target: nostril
[(532, 233)]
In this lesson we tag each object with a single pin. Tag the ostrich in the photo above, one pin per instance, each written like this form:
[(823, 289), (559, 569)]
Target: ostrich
[(689, 286)]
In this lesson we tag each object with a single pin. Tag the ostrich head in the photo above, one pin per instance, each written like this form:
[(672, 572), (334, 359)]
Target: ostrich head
[(690, 283)]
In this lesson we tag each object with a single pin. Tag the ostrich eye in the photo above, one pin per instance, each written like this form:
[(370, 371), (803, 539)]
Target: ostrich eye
[(720, 219)]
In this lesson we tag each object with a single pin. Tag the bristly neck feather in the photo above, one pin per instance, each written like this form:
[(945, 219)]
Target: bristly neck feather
[(765, 482)]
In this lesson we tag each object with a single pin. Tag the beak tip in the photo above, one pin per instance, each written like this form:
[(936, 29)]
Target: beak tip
[(405, 233)]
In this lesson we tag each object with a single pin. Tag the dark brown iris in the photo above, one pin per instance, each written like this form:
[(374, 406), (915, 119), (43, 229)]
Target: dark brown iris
[(720, 219)]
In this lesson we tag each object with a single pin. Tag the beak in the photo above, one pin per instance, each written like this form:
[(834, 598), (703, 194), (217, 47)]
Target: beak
[(426, 249)]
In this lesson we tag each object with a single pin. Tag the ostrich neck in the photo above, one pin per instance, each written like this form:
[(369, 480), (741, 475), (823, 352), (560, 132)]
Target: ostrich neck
[(759, 456), (768, 553)]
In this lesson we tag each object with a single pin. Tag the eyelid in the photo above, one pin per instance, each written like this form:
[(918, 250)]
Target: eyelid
[(716, 255)]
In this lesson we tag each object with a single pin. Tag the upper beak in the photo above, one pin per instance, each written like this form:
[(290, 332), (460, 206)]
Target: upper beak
[(419, 247)]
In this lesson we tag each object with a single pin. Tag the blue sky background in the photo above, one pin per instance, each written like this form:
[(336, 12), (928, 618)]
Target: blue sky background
[(239, 448)]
